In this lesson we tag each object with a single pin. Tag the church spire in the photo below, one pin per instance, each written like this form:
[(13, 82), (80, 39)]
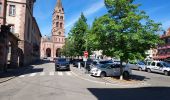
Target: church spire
[(59, 4)]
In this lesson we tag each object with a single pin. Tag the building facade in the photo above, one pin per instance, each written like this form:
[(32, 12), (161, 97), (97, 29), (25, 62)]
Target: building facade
[(164, 50), (8, 41), (51, 45), (150, 54), (19, 15)]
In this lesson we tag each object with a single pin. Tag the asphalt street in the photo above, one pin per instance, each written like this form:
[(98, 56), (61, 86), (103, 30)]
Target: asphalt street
[(41, 82)]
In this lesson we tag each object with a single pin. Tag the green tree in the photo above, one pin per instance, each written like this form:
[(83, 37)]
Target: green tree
[(78, 33), (68, 48), (125, 31)]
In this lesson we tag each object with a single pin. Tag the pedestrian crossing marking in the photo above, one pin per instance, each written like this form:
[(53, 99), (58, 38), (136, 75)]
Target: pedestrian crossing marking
[(42, 74), (33, 74), (22, 76), (51, 74), (60, 73), (68, 73), (47, 74)]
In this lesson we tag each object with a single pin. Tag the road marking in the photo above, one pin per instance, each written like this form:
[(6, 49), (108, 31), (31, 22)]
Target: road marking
[(51, 74), (68, 73), (33, 74), (42, 74), (60, 73), (21, 76)]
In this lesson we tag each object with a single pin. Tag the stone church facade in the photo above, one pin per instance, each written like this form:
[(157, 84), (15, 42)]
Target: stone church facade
[(52, 45)]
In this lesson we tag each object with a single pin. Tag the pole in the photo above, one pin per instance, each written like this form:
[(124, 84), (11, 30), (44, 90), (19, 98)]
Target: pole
[(87, 56)]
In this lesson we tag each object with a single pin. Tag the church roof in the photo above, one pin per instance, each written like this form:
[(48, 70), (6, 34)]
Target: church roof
[(59, 4)]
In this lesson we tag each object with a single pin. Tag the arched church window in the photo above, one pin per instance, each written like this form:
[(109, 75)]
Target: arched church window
[(59, 33), (61, 17), (61, 25), (57, 17), (57, 24)]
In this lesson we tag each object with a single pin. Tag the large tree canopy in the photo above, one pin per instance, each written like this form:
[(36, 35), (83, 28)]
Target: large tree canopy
[(125, 31)]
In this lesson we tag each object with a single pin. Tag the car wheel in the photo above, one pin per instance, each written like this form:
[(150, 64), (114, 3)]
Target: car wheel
[(149, 70), (126, 75), (166, 73), (140, 69), (103, 74)]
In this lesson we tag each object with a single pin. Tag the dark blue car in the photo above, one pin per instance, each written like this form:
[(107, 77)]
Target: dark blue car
[(62, 64)]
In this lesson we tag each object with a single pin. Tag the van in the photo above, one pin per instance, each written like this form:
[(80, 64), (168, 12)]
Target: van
[(159, 67)]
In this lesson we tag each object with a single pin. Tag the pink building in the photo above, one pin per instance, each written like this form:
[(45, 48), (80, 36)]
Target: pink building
[(164, 50), (51, 46)]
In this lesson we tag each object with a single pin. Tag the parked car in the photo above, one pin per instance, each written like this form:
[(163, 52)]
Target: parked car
[(95, 63), (62, 64), (137, 65), (110, 69), (159, 67)]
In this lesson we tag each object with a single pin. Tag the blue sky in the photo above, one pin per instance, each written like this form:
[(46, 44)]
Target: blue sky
[(158, 10)]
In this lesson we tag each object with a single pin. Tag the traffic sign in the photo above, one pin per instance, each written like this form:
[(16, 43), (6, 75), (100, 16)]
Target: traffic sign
[(86, 54)]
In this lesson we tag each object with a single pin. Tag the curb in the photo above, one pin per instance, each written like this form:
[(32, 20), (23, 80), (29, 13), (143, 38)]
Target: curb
[(5, 80), (112, 83)]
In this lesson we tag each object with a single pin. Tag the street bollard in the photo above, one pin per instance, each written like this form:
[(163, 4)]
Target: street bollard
[(79, 66)]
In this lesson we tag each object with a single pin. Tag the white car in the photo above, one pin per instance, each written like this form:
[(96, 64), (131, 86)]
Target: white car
[(110, 69), (159, 67)]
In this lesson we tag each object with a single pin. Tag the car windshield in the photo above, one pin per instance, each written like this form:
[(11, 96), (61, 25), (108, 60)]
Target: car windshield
[(105, 62), (166, 64), (141, 63), (61, 60), (103, 65)]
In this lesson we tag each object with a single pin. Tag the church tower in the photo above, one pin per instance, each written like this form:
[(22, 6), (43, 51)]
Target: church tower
[(58, 24), (51, 45)]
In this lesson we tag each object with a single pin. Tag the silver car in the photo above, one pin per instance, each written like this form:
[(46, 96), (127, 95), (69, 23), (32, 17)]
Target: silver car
[(110, 69), (137, 66)]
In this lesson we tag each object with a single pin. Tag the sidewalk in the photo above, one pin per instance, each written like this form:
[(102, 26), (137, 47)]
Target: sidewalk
[(108, 80)]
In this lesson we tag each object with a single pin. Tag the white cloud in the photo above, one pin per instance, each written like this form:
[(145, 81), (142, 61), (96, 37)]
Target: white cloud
[(91, 10)]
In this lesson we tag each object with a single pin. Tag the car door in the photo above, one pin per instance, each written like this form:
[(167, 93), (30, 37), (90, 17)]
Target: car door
[(152, 66), (156, 67), (116, 70), (159, 67), (109, 70)]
